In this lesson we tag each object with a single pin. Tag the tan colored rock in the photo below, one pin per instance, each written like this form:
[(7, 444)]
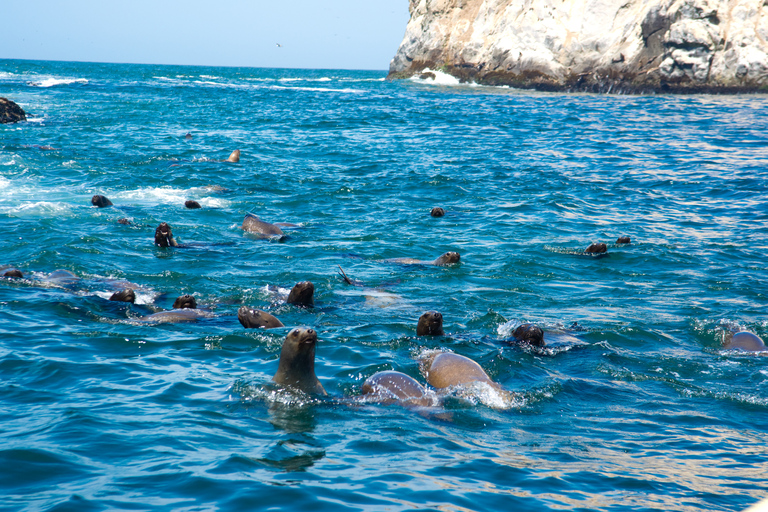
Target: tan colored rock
[(591, 45)]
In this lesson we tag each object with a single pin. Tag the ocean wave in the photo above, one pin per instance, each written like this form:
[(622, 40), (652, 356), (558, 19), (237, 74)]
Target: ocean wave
[(52, 82), (319, 89)]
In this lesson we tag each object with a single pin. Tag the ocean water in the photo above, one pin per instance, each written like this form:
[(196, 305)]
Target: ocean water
[(632, 405)]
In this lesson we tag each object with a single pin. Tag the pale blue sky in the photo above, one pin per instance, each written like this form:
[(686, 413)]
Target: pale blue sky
[(339, 34)]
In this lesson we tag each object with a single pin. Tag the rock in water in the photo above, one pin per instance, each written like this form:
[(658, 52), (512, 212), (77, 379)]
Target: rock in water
[(10, 112), (631, 46)]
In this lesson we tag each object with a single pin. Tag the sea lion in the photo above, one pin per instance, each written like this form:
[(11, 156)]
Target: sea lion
[(297, 362), (126, 295), (255, 318), (391, 386), (13, 273), (596, 248), (745, 341), (185, 301), (253, 224), (124, 221), (445, 259), (184, 310), (100, 201), (234, 157), (430, 324), (188, 136), (448, 369), (530, 334), (302, 294), (164, 236), (437, 212), (192, 204), (624, 240)]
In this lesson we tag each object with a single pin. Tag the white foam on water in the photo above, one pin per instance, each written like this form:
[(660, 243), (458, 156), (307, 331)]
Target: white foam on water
[(52, 82), (440, 78), (320, 89), (167, 195)]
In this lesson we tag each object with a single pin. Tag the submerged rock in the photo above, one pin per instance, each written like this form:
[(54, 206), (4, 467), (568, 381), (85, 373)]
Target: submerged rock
[(10, 112), (631, 46)]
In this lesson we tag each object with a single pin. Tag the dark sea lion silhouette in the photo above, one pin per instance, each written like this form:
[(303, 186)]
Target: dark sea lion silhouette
[(302, 294), (624, 240), (297, 362), (126, 295), (100, 201), (437, 212), (192, 204), (529, 333), (430, 324), (596, 248), (164, 236), (255, 318)]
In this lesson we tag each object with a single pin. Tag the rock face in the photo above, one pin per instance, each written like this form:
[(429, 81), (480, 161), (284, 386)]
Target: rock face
[(10, 112), (632, 46)]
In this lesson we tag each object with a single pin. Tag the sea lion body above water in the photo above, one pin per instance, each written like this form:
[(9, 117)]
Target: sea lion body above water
[(302, 294), (13, 273), (430, 324), (445, 259), (234, 157), (745, 341), (448, 369), (253, 224), (192, 204), (184, 310), (297, 362), (126, 295), (624, 240), (100, 201), (529, 333), (164, 236), (255, 318), (391, 386), (437, 212), (596, 248)]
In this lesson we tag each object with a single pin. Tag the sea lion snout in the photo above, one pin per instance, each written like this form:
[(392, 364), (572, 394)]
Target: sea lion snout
[(302, 294), (430, 324), (185, 302)]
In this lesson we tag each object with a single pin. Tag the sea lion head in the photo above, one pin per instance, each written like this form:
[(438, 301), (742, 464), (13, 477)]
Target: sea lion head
[(297, 361), (746, 341), (596, 248), (624, 240), (448, 258), (100, 201), (255, 318), (234, 157), (13, 273), (302, 294), (192, 204), (437, 212), (164, 235), (126, 295), (530, 333), (430, 324), (185, 302)]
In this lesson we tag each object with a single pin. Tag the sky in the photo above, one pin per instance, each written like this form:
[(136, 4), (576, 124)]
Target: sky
[(315, 34)]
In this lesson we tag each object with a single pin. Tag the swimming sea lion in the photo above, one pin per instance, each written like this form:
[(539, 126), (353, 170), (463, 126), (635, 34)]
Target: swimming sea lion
[(184, 310), (13, 273), (185, 301), (745, 341), (624, 240), (188, 136), (253, 224), (192, 204), (437, 212), (255, 318), (302, 294), (529, 333), (234, 157), (596, 248), (448, 369), (164, 236), (391, 386), (297, 362), (446, 259), (100, 201), (430, 324), (126, 295)]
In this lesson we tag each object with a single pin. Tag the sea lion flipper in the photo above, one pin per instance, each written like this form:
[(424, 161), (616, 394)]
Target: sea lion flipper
[(344, 276)]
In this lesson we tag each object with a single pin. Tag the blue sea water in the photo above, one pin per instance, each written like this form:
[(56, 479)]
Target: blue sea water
[(632, 405)]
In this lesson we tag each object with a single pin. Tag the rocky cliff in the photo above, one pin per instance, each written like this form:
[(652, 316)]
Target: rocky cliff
[(10, 112), (633, 46)]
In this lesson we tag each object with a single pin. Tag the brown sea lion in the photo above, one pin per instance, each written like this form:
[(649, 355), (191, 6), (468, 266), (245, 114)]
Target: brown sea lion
[(100, 201), (126, 295), (624, 240), (596, 248), (253, 224), (430, 324), (164, 236), (448, 369), (13, 273), (437, 212), (234, 157), (745, 341), (529, 333), (185, 301), (391, 387), (445, 259), (124, 221), (192, 204), (184, 310), (255, 318), (302, 294), (297, 362)]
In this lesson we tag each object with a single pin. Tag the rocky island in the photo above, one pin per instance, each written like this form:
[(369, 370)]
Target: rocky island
[(10, 112), (624, 46)]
